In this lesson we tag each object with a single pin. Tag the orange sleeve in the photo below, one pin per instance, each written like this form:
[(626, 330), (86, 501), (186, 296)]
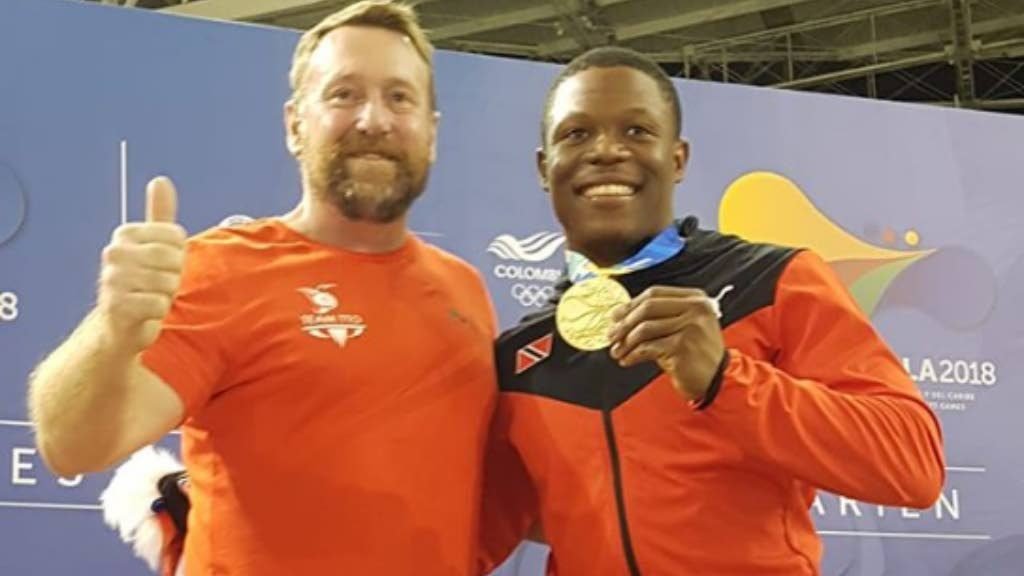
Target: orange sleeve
[(509, 508), (189, 355), (835, 408)]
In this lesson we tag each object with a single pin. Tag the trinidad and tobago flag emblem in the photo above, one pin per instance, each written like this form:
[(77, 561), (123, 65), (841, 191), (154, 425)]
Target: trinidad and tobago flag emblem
[(532, 353)]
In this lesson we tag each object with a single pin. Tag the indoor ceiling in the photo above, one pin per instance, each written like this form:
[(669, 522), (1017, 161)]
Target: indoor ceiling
[(967, 53)]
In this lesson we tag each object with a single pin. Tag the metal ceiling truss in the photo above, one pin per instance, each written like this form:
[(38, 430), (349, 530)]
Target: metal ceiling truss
[(967, 53)]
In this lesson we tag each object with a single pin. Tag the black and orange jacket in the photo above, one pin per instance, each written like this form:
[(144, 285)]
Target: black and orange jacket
[(625, 477)]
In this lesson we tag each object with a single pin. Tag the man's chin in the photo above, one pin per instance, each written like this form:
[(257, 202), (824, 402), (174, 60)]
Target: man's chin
[(610, 235), (372, 170), (608, 239), (382, 208)]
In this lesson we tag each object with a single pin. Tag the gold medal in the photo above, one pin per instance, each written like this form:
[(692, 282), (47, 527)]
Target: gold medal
[(584, 313)]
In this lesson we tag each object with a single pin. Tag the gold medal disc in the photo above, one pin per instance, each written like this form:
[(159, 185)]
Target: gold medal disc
[(584, 315)]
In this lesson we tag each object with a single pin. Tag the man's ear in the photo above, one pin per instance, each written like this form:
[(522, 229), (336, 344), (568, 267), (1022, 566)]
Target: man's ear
[(542, 168), (436, 119), (680, 156), (294, 130)]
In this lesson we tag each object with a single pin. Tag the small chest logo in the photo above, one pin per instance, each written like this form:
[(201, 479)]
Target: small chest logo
[(324, 323), (716, 302), (533, 353)]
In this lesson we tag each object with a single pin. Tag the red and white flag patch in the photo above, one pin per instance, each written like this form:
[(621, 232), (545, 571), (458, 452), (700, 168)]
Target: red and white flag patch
[(528, 356)]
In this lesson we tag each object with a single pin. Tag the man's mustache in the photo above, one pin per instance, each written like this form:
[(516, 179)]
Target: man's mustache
[(347, 150)]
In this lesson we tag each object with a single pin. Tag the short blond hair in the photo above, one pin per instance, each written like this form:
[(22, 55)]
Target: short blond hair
[(384, 14)]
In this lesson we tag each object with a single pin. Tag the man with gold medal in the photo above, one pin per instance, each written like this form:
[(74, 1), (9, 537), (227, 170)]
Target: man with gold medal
[(677, 409)]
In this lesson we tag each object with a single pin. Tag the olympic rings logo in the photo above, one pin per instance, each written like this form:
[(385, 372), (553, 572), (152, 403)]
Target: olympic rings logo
[(532, 294)]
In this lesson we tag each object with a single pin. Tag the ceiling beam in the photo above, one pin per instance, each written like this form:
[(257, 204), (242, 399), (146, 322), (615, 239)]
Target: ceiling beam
[(254, 10), (996, 50), (815, 24), (859, 71), (934, 37), (655, 25), (484, 47), (1005, 49), (751, 56), (477, 25), (963, 49), (993, 104), (1000, 104), (247, 10)]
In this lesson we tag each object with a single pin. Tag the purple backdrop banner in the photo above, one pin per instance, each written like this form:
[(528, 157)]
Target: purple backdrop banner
[(920, 211)]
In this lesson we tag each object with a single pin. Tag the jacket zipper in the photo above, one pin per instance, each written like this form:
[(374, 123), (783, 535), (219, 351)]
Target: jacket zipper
[(620, 503)]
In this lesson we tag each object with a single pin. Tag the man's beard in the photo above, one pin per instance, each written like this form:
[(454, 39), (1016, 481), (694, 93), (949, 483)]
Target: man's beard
[(379, 188)]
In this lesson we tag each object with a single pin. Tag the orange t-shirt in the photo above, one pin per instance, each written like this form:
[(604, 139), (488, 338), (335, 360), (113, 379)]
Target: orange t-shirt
[(336, 404)]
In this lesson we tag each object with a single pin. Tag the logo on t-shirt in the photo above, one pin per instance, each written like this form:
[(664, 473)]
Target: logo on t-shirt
[(323, 322)]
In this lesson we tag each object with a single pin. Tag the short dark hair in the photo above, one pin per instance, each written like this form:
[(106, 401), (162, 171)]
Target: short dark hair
[(614, 57)]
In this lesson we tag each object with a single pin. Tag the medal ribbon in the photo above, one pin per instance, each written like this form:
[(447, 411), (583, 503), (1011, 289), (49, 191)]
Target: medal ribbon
[(665, 245)]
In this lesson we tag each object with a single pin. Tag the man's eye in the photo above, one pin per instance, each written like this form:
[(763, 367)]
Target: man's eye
[(344, 94), (574, 135)]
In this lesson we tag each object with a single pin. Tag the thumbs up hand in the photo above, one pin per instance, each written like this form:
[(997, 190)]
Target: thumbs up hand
[(141, 270)]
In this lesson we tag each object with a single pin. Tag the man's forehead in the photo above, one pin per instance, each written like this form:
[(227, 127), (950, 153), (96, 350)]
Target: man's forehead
[(595, 87), (363, 42), (367, 31), (353, 45)]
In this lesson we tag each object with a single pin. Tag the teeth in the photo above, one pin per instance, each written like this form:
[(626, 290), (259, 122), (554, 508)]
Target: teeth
[(607, 190)]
